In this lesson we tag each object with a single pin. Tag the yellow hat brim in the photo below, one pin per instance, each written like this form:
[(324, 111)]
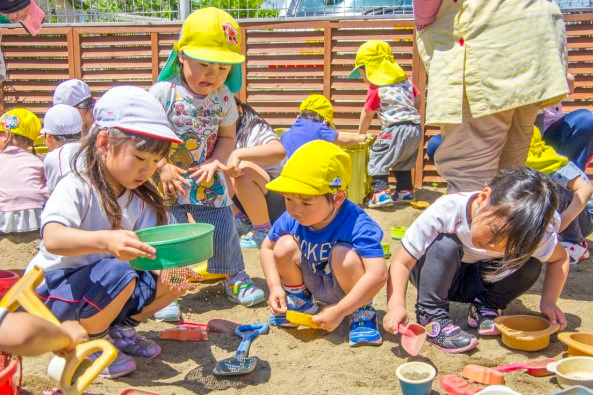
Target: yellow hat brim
[(213, 55), (284, 184)]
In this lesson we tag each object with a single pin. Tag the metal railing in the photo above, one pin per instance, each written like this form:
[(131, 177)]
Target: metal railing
[(155, 11)]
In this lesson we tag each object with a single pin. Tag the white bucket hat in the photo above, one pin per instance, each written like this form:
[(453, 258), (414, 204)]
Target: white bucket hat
[(134, 110), (62, 120)]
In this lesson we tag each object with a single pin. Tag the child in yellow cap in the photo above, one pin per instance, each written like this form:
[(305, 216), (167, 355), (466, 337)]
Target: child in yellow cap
[(574, 192), (395, 98), (196, 89), (23, 190), (324, 248), (316, 122)]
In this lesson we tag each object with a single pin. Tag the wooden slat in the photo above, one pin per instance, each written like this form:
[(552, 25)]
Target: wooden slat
[(91, 52), (116, 63), (37, 64), (32, 52), (113, 40)]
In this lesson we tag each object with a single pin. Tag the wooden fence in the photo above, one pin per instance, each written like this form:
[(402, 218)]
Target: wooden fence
[(286, 62)]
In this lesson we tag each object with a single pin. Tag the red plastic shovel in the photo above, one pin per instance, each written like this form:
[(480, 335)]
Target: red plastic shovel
[(413, 336), (534, 368), (192, 331)]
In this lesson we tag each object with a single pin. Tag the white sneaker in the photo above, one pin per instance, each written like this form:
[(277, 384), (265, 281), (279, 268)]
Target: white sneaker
[(576, 252)]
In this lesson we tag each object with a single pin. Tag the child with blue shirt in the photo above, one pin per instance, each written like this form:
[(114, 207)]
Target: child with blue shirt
[(315, 122), (324, 248), (395, 99)]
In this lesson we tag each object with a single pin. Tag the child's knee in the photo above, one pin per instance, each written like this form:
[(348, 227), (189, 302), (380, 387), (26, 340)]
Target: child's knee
[(345, 259), (447, 247), (286, 249)]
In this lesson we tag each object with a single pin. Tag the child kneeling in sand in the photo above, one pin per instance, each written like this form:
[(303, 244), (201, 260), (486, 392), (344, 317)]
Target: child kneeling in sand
[(89, 221), (485, 248), (324, 247)]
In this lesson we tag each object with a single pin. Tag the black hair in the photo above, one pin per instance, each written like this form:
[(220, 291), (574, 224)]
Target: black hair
[(248, 120), (312, 116), (66, 138), (527, 200), (86, 103)]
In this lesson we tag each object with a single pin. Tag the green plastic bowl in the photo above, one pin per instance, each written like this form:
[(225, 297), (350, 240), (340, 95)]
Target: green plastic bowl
[(176, 245)]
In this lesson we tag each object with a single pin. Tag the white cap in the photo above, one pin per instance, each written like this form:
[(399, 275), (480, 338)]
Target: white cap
[(135, 110), (62, 120), (72, 92)]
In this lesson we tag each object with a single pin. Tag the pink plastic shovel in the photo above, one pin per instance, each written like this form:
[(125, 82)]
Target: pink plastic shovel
[(413, 336), (534, 368)]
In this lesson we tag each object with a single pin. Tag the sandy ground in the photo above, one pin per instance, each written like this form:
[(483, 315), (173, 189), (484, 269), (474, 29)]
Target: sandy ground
[(305, 360)]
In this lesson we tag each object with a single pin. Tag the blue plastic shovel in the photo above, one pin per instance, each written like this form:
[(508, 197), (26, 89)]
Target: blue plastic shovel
[(241, 363)]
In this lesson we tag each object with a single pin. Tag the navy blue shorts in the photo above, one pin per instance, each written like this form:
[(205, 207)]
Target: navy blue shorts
[(78, 293), (322, 284)]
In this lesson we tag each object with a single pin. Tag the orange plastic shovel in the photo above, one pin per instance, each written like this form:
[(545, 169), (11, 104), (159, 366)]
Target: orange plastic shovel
[(413, 336)]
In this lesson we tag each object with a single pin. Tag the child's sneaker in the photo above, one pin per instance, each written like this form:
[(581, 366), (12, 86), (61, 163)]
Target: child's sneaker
[(448, 337), (170, 313), (127, 340), (253, 239), (576, 252), (482, 317), (243, 225), (302, 302), (363, 328), (121, 366), (403, 196), (380, 199), (240, 289)]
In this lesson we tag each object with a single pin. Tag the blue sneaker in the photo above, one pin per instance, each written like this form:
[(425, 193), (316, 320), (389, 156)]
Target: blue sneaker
[(363, 328), (253, 239), (169, 313), (302, 302), (243, 225), (241, 290), (380, 199), (403, 196)]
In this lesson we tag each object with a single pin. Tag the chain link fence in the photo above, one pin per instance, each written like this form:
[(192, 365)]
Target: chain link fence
[(157, 11)]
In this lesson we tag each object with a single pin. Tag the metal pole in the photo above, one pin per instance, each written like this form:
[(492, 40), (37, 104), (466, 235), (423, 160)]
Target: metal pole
[(184, 9)]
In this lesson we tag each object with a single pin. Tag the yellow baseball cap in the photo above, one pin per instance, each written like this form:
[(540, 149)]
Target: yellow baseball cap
[(210, 35), (379, 63), (22, 122), (316, 168), (320, 105), (542, 157)]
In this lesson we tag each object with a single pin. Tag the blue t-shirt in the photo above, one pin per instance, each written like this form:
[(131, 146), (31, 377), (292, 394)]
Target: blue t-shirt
[(351, 225), (304, 131)]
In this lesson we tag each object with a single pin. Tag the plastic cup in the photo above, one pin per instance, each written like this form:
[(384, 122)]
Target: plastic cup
[(412, 386), (7, 280)]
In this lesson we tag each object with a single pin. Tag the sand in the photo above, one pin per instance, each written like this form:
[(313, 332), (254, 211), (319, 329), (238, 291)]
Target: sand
[(306, 360)]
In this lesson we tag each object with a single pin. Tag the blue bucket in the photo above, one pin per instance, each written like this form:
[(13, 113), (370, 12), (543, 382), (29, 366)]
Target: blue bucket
[(415, 378)]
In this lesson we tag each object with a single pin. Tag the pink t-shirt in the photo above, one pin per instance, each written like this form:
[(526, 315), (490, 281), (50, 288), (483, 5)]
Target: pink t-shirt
[(22, 180), (552, 114)]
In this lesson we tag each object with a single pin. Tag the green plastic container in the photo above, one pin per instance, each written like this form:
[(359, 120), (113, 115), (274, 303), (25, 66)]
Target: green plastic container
[(176, 245)]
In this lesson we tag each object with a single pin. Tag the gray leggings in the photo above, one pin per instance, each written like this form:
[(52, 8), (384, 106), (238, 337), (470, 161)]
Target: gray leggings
[(440, 276)]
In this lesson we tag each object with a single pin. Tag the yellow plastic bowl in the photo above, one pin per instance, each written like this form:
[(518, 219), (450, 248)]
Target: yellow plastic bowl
[(525, 332)]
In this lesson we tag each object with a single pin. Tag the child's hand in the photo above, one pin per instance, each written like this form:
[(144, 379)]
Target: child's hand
[(125, 246), (393, 318), (172, 180), (554, 314), (277, 300), (206, 170), (232, 165), (329, 318), (76, 333)]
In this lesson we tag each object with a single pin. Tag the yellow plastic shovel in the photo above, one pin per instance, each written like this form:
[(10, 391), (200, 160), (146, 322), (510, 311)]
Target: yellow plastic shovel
[(23, 294)]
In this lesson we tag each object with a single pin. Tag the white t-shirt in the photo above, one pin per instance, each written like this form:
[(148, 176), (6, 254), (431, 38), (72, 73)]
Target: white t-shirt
[(75, 204), (261, 135), (195, 119), (57, 164), (448, 215)]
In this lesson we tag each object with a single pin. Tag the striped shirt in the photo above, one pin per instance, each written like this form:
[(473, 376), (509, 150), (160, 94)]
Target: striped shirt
[(504, 53)]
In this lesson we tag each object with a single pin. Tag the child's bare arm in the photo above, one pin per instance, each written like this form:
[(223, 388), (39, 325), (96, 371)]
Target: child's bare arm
[(277, 299), (582, 191), (366, 117), (28, 335), (397, 286), (556, 273), (348, 139), (123, 244)]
